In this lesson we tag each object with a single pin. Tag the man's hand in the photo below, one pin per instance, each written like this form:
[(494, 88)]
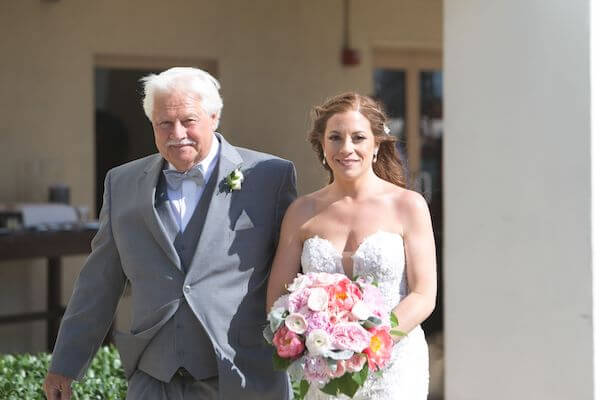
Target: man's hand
[(57, 387)]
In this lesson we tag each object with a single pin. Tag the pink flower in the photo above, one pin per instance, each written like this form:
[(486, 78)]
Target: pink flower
[(343, 295), (373, 298), (318, 320), (281, 302), (356, 362), (338, 370), (298, 299), (316, 370), (338, 317), (287, 343), (300, 282), (350, 336), (379, 350), (322, 279)]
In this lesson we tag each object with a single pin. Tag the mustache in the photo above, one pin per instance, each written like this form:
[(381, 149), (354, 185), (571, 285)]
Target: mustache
[(182, 142)]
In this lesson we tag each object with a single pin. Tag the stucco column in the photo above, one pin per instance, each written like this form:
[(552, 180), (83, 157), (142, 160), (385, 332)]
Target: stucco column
[(521, 200)]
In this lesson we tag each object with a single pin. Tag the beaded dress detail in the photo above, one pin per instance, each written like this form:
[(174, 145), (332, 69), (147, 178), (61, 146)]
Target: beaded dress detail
[(381, 256)]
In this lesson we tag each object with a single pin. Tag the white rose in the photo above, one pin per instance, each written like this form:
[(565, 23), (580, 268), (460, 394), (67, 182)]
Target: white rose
[(235, 179), (299, 282), (281, 302), (318, 342), (360, 311), (318, 299), (296, 323)]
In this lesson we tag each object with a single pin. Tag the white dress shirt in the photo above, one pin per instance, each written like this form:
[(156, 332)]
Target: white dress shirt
[(184, 200)]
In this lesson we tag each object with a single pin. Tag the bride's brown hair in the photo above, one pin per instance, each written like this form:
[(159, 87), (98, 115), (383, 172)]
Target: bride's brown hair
[(388, 164)]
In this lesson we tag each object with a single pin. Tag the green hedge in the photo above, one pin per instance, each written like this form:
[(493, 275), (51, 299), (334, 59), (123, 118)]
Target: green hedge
[(22, 375)]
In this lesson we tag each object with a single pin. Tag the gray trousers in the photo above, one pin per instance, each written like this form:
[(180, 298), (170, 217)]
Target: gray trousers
[(142, 386)]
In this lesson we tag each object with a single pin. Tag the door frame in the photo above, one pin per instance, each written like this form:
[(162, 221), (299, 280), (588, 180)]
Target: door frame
[(412, 60)]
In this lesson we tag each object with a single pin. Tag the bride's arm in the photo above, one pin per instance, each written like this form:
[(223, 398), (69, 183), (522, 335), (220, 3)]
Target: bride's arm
[(419, 249), (286, 263)]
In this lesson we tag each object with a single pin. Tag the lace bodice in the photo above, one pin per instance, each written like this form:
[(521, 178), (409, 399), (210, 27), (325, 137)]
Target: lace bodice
[(381, 256)]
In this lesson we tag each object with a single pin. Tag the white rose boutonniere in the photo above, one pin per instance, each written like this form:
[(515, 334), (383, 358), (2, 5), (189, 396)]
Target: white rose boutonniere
[(235, 179)]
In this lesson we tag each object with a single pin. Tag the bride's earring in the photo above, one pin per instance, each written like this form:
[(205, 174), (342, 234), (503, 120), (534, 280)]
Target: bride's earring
[(374, 156), (324, 155)]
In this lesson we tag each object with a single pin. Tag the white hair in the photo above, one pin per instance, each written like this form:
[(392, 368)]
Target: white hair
[(186, 80)]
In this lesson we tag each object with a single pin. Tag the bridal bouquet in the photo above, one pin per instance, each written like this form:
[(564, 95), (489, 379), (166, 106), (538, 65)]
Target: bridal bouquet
[(331, 332)]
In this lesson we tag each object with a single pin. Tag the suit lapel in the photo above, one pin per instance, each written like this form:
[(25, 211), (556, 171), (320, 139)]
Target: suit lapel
[(215, 226), (164, 210), (146, 197)]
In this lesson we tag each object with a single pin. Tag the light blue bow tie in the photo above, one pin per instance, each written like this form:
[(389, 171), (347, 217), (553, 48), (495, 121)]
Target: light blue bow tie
[(175, 178)]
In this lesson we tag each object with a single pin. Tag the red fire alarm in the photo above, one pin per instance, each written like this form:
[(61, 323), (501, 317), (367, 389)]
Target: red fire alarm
[(350, 57)]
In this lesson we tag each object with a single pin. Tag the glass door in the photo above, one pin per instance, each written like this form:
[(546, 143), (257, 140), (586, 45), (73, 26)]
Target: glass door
[(409, 84)]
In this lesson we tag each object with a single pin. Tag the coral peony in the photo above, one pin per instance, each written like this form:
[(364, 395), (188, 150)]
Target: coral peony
[(343, 295), (287, 343), (379, 350)]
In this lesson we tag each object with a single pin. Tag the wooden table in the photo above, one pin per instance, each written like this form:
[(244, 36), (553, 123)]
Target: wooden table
[(51, 245)]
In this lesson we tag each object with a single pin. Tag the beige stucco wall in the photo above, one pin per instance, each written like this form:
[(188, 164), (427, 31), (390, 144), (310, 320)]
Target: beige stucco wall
[(275, 59), (518, 202)]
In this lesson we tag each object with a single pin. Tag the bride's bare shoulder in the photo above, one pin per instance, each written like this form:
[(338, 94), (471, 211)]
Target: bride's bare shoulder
[(304, 207), (409, 203)]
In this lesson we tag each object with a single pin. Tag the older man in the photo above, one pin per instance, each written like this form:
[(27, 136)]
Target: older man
[(193, 230)]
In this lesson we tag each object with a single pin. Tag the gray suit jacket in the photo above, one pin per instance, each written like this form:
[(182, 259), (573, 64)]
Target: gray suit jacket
[(225, 285)]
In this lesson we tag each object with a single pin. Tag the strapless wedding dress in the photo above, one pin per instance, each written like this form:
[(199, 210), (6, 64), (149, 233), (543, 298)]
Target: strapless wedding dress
[(380, 255)]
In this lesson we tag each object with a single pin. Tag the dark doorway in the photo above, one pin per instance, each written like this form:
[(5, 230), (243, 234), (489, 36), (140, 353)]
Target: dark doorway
[(123, 133), (391, 89)]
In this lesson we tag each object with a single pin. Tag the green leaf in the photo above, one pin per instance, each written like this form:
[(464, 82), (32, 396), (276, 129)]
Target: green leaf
[(300, 388), (393, 319), (332, 387), (345, 384), (371, 322), (361, 376), (280, 363), (397, 332)]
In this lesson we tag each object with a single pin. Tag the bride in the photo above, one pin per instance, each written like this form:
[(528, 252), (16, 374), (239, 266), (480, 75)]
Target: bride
[(364, 222)]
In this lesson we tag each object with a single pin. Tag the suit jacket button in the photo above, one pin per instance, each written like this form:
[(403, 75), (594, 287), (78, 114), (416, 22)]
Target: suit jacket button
[(187, 288)]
